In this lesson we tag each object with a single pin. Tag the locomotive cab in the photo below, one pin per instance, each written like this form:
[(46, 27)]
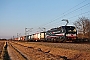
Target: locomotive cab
[(70, 32)]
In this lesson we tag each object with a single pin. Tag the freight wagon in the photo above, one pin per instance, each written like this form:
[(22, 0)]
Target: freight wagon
[(42, 36), (22, 38), (37, 37)]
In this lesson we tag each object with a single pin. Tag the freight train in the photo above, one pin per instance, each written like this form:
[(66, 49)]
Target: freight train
[(60, 34)]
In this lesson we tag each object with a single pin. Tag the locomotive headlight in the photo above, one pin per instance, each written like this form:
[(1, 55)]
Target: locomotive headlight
[(74, 30)]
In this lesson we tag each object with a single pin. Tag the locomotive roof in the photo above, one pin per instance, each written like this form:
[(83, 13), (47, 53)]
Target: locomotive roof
[(61, 27)]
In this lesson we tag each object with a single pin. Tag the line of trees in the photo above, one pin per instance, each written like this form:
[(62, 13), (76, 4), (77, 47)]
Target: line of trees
[(83, 27)]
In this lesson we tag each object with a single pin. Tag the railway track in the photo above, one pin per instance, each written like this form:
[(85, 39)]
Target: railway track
[(68, 45), (15, 54), (22, 52)]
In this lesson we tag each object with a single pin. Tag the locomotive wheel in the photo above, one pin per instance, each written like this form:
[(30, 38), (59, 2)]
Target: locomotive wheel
[(54, 40), (63, 39)]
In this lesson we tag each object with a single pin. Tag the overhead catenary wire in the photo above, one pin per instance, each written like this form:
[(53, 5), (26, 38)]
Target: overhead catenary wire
[(63, 14), (77, 15), (68, 13), (81, 14)]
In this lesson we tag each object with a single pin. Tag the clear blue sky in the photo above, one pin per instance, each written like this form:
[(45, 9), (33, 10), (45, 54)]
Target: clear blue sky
[(15, 15)]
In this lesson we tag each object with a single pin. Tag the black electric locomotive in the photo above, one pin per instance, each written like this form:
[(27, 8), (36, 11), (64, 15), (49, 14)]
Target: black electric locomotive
[(61, 34)]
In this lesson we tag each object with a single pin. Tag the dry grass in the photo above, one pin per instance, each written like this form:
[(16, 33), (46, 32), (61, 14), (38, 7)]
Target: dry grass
[(70, 53), (1, 47)]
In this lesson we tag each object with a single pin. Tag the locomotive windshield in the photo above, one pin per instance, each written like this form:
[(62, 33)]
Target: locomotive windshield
[(70, 29)]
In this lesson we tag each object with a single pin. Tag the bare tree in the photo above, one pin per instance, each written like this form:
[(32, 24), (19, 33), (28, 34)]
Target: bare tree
[(83, 26)]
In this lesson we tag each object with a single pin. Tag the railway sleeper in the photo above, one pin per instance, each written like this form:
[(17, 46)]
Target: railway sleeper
[(23, 55)]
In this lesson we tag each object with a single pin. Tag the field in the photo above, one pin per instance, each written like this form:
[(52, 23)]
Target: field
[(49, 51), (1, 47)]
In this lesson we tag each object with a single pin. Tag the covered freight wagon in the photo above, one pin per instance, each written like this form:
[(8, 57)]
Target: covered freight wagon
[(37, 37), (22, 38), (43, 36)]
